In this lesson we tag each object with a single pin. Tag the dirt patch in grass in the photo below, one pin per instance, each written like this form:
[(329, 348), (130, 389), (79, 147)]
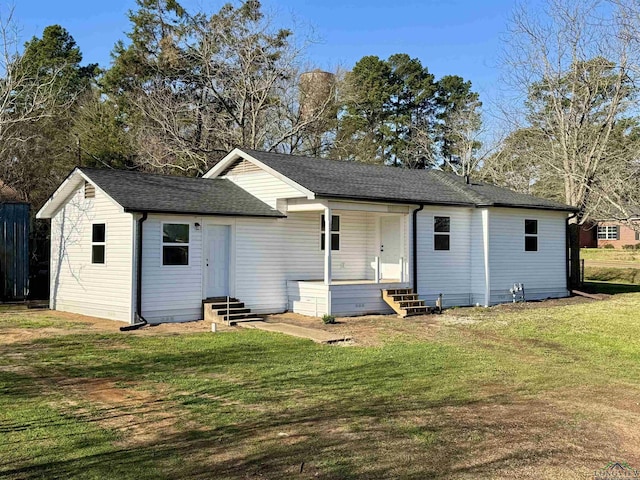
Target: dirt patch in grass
[(46, 323), (103, 390), (371, 330), (367, 330)]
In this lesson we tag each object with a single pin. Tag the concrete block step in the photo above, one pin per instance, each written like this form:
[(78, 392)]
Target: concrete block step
[(224, 311), (236, 316), (219, 300), (246, 319), (223, 306)]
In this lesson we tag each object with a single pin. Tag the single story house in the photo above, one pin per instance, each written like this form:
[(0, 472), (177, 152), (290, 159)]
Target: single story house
[(609, 232), (308, 235)]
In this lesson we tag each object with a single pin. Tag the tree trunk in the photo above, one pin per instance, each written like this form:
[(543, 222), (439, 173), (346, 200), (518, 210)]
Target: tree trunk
[(573, 245)]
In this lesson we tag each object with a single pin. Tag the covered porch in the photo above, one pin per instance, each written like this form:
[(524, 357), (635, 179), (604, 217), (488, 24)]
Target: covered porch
[(364, 248)]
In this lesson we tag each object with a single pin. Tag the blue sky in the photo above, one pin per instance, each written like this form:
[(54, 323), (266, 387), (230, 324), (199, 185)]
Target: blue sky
[(459, 37)]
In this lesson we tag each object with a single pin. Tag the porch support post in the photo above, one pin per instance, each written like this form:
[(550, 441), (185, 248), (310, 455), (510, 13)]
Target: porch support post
[(327, 245)]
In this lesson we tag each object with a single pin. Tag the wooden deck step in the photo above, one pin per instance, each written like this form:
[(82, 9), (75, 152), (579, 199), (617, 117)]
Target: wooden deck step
[(404, 302), (399, 291)]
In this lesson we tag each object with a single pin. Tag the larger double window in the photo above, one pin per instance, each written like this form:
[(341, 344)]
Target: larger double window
[(608, 232), (175, 244), (335, 232), (441, 233), (98, 243), (531, 235)]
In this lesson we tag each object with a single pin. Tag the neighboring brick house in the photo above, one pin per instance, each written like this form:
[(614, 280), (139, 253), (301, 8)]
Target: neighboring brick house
[(601, 233)]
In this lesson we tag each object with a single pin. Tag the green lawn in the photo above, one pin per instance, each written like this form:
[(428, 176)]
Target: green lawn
[(527, 391), (611, 265)]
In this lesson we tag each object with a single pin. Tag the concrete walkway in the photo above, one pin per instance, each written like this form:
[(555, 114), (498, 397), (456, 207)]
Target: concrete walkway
[(318, 336)]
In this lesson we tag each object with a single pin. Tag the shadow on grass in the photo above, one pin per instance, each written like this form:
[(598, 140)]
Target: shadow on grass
[(610, 288), (258, 405)]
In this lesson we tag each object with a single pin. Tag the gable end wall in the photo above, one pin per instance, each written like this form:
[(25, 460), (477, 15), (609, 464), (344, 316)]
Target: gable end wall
[(77, 285)]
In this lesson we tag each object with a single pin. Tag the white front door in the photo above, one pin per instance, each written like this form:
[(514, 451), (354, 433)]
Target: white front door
[(217, 260), (390, 247)]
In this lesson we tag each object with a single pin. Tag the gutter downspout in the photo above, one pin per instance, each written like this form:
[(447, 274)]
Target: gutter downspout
[(568, 247), (414, 254), (140, 321)]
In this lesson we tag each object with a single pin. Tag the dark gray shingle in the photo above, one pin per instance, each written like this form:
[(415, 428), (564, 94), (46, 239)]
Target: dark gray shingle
[(354, 180), (145, 192)]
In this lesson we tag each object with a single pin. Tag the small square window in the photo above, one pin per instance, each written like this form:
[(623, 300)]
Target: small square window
[(441, 242), (175, 233), (442, 224), (335, 241), (175, 255), (98, 233), (530, 227), (97, 254), (531, 244)]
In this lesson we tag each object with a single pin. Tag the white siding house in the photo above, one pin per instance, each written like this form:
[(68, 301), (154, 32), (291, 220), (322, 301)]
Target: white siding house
[(78, 283), (252, 229)]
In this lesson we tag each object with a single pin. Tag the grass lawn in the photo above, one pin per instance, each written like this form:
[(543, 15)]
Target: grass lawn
[(610, 255), (611, 265), (542, 390)]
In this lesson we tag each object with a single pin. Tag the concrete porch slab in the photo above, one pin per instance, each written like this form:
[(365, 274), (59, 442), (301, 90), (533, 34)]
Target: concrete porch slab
[(318, 336)]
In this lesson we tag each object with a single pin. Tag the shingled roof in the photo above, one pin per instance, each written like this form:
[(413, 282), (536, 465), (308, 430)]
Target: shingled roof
[(360, 181), (146, 192)]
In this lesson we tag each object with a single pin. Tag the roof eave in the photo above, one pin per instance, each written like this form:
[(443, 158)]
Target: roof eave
[(201, 213), (559, 208), (393, 200)]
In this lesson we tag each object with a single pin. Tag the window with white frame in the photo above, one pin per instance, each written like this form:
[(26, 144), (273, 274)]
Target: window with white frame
[(441, 233), (98, 243), (531, 235), (175, 244), (608, 232), (335, 232)]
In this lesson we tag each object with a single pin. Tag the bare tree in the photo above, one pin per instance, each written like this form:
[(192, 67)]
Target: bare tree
[(576, 63), (234, 81), (26, 98)]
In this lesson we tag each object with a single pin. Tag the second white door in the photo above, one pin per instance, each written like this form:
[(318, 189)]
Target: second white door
[(390, 247), (217, 260)]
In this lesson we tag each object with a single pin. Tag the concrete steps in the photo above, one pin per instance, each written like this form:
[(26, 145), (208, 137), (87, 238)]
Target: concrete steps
[(228, 311), (404, 302)]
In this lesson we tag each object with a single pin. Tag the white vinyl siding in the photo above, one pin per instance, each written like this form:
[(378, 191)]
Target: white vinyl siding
[(445, 272), (77, 285), (267, 254), (263, 185), (312, 298), (271, 252), (171, 293), (543, 272), (478, 272)]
